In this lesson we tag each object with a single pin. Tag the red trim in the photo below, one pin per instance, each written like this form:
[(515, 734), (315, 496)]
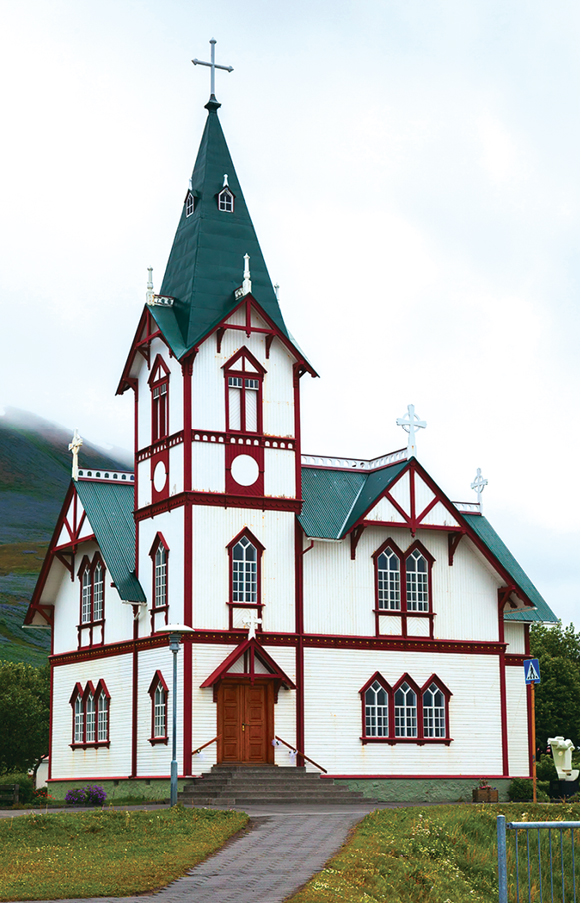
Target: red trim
[(453, 543), (188, 649), (219, 500), (217, 436), (155, 608), (237, 369), (94, 693), (502, 597), (256, 489), (530, 729), (121, 777), (134, 696), (135, 387), (403, 612), (322, 641), (297, 373), (93, 625), (256, 651), (300, 653), (147, 329), (187, 370)]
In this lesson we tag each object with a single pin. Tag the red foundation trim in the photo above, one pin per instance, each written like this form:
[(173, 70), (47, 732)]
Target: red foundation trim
[(219, 500), (118, 777)]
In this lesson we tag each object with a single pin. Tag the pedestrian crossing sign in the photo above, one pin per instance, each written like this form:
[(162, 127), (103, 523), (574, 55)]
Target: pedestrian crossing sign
[(532, 671)]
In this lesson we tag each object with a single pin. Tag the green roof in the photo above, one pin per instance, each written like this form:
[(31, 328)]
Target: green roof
[(334, 500), (495, 544), (109, 507), (206, 262)]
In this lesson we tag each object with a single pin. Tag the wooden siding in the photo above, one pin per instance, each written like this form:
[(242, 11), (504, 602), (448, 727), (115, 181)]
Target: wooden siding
[(279, 473), (333, 713), (517, 722), (87, 763), (171, 525), (514, 635), (155, 759)]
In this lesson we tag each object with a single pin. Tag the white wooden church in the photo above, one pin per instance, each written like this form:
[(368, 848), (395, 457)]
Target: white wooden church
[(347, 607)]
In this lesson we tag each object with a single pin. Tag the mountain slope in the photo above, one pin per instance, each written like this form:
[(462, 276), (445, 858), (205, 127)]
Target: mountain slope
[(35, 471)]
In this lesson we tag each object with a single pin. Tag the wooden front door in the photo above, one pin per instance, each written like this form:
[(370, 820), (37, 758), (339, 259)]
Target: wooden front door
[(245, 722)]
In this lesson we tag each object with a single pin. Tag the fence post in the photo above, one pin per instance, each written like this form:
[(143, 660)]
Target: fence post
[(501, 842)]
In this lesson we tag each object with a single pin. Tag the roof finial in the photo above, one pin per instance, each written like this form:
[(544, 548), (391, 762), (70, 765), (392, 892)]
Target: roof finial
[(149, 296), (74, 447), (276, 288), (478, 485), (246, 283), (225, 185), (410, 425), (213, 66)]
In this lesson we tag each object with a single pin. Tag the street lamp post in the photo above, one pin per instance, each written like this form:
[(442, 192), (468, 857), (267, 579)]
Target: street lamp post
[(176, 631)]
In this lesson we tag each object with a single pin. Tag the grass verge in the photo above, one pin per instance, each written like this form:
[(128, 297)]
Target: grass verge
[(441, 854), (105, 852)]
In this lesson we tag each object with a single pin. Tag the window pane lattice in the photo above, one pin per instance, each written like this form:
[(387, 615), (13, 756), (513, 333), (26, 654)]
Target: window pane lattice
[(244, 572), (160, 577), (90, 719), (159, 712), (376, 711), (103, 718), (434, 705), (388, 581), (406, 722), (417, 582)]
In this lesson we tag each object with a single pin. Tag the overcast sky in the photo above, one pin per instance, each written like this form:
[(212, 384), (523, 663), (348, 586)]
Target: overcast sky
[(411, 170)]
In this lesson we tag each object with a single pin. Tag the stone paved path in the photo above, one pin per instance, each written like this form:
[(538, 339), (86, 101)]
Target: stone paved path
[(283, 849)]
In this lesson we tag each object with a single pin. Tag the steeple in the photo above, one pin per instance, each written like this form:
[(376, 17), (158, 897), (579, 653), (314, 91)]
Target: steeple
[(214, 234)]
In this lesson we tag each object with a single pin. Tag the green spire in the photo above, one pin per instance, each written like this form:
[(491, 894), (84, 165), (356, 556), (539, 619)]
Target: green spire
[(206, 262)]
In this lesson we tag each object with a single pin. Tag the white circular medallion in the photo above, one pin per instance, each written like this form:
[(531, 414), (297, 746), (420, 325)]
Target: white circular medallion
[(159, 476), (245, 470)]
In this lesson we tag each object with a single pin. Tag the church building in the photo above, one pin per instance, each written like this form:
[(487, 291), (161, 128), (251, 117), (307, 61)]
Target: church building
[(343, 610)]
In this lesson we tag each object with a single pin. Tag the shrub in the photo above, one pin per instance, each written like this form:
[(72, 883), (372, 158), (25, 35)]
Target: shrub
[(91, 794), (25, 782), (521, 791)]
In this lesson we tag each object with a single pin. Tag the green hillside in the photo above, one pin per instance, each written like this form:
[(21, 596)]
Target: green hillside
[(35, 471)]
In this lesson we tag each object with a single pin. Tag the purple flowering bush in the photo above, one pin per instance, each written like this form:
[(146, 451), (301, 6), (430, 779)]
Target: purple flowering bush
[(82, 795)]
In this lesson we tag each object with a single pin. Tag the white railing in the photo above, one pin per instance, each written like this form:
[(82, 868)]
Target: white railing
[(354, 463), (109, 476)]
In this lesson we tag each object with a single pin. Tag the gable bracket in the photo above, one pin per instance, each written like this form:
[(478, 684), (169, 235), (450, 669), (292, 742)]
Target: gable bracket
[(504, 596), (219, 336), (268, 343), (356, 535), (68, 559), (453, 542)]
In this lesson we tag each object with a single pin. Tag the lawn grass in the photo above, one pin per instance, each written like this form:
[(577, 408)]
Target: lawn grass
[(106, 852), (440, 854)]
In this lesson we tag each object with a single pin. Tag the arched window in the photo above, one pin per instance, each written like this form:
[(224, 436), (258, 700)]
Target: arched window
[(376, 711), (90, 715), (159, 385), (244, 376), (91, 628), (160, 606), (406, 711), (189, 203), (434, 705), (244, 572), (245, 552), (159, 700), (416, 570)]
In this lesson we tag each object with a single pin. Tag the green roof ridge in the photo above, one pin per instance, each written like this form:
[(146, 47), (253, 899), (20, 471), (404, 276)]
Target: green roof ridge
[(206, 261)]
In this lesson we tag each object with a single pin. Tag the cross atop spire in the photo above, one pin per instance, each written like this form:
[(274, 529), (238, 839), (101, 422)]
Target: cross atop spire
[(410, 425), (213, 66), (478, 485), (74, 447)]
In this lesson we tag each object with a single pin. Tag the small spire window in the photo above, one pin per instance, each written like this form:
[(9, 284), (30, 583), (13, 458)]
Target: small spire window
[(189, 203), (226, 201)]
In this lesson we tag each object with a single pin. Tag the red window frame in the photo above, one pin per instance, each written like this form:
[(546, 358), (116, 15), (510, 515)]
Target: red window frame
[(158, 679), (155, 608), (237, 369), (159, 386), (233, 604), (83, 694), (89, 566), (420, 739), (404, 612)]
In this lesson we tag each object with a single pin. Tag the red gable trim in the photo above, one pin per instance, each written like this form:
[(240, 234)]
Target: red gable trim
[(147, 329), (255, 650)]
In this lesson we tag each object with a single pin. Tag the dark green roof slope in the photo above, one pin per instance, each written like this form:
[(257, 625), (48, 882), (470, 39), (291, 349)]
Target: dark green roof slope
[(335, 499), (109, 507), (206, 262), (493, 541)]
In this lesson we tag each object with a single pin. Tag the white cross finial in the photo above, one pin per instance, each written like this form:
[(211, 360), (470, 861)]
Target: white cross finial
[(213, 66), (149, 293), (478, 484), (410, 425), (246, 283), (252, 622), (74, 447), (225, 185)]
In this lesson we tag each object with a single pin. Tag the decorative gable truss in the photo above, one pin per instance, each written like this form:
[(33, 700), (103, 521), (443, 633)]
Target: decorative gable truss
[(414, 501), (147, 331), (249, 659)]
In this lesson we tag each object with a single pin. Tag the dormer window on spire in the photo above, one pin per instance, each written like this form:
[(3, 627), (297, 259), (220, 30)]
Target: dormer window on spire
[(226, 201), (189, 203)]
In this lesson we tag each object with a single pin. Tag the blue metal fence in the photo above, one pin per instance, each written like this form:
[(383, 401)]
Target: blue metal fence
[(547, 873)]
